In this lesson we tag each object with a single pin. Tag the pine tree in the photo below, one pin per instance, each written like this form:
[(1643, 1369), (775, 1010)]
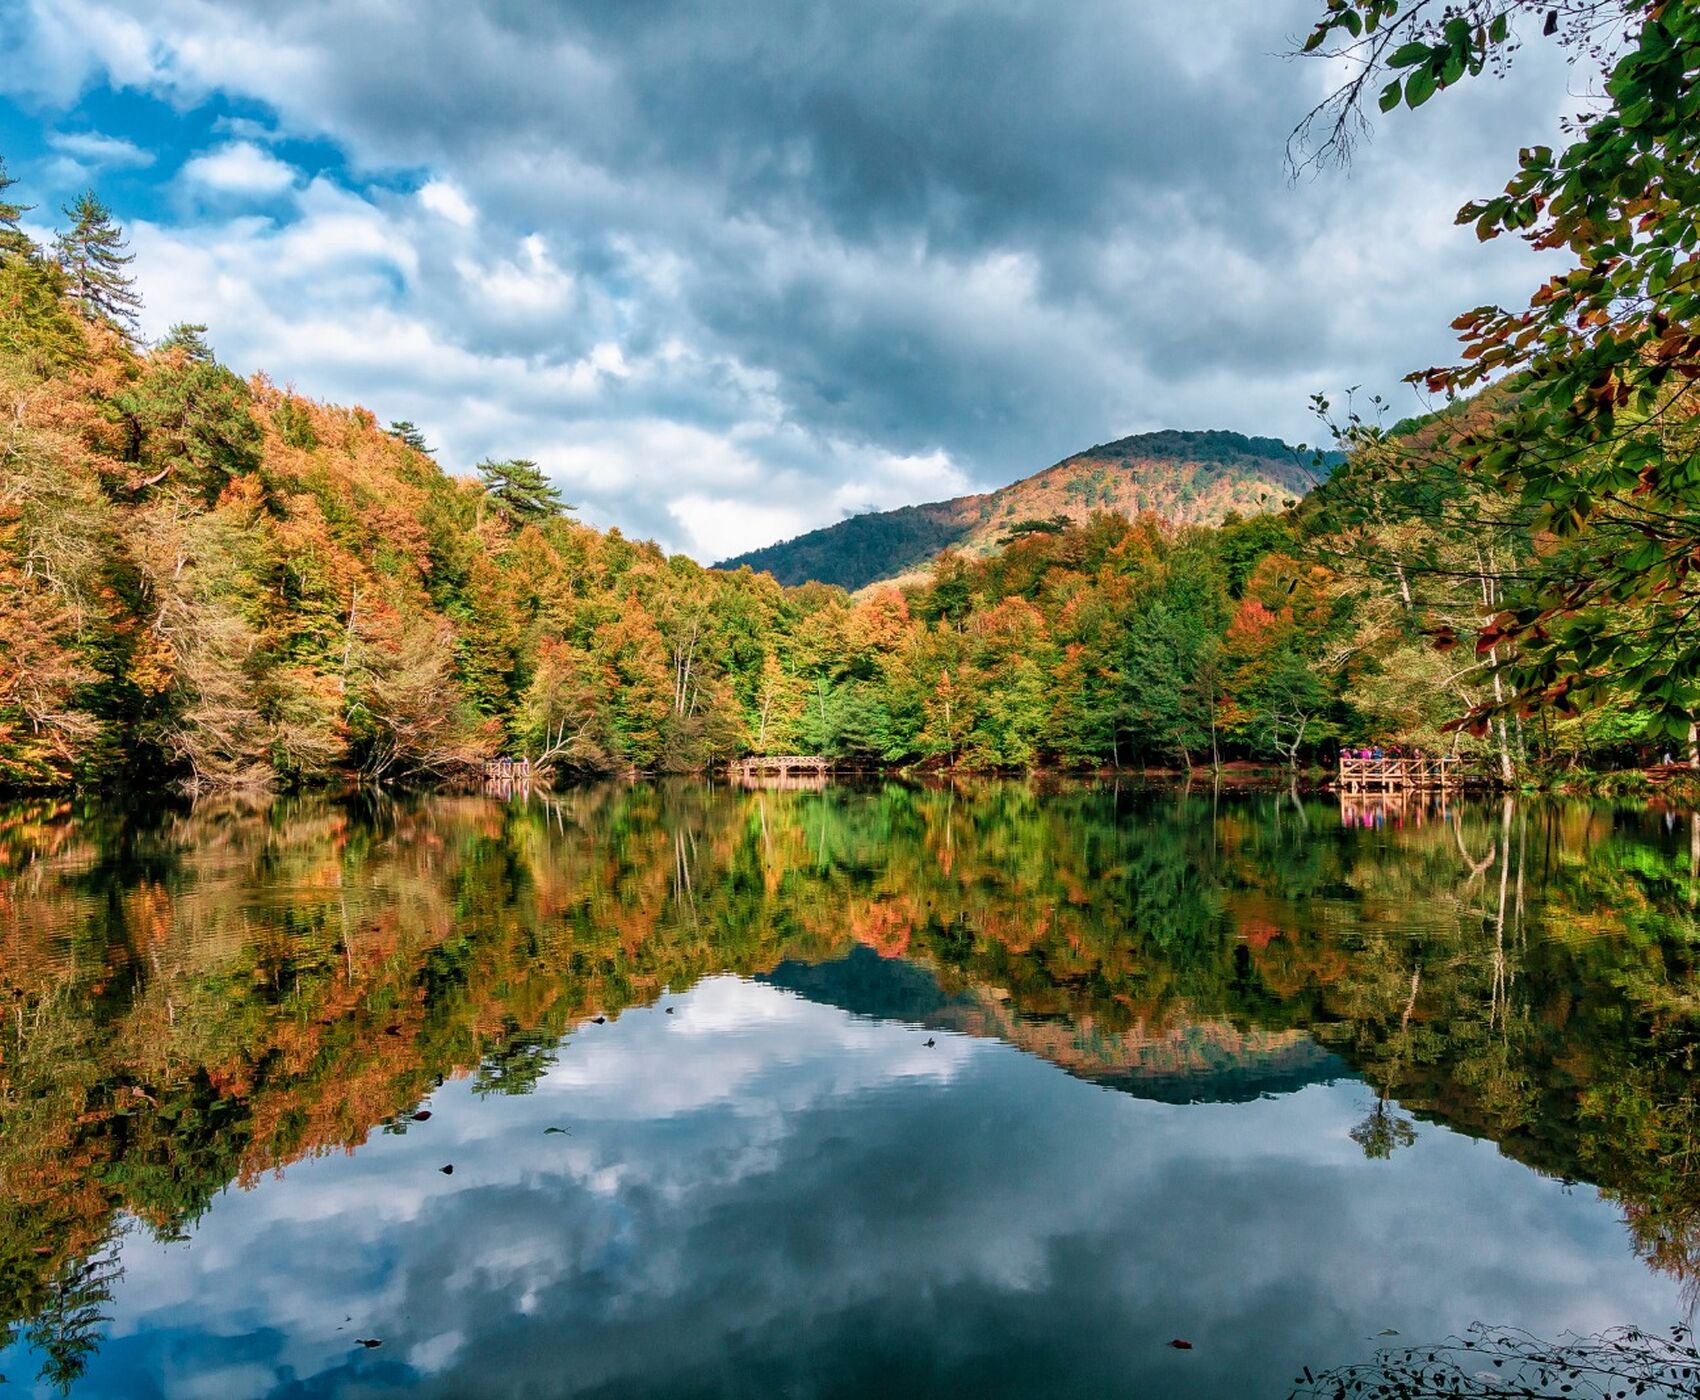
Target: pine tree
[(14, 242), (191, 338), (404, 432), (521, 491), (93, 253)]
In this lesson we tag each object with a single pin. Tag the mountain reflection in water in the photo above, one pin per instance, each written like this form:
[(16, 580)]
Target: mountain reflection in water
[(985, 1090)]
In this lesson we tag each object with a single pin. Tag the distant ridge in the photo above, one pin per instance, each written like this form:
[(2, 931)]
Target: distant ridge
[(1193, 477)]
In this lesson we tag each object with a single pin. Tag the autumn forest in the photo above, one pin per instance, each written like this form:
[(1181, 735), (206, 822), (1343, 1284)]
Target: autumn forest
[(217, 582)]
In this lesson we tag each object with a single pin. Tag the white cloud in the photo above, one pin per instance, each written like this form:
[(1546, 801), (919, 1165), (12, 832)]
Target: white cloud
[(440, 197), (240, 168), (95, 149), (246, 129), (717, 527), (722, 311), (800, 1180), (528, 285)]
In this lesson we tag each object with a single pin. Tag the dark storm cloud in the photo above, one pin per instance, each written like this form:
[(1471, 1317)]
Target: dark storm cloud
[(829, 242)]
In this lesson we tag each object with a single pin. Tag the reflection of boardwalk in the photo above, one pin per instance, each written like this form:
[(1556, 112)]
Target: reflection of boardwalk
[(781, 764), (1401, 807), (1400, 774), (779, 782)]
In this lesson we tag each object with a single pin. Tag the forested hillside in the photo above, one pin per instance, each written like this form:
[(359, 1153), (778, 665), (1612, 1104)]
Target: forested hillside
[(1187, 478), (220, 582)]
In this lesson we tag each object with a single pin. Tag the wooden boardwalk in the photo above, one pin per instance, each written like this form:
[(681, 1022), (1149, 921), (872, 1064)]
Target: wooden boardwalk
[(1400, 774), (782, 764)]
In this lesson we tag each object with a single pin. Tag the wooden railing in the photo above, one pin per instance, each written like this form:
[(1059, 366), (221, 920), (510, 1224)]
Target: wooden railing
[(507, 770), (1399, 774), (781, 764)]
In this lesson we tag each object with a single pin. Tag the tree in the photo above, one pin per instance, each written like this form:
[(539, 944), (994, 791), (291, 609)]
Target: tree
[(1275, 695), (404, 704), (1601, 434), (189, 419), (521, 491), (560, 717), (93, 254), (1163, 708), (407, 435), (14, 242), (189, 339), (38, 331)]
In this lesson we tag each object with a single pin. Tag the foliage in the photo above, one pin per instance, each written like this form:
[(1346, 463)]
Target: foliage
[(859, 550), (1490, 1362), (408, 435), (518, 488), (93, 255), (216, 582), (1597, 438), (14, 242), (1187, 477), (202, 995)]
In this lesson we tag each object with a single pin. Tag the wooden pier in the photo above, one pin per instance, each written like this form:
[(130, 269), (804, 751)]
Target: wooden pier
[(507, 770), (783, 765), (1400, 774)]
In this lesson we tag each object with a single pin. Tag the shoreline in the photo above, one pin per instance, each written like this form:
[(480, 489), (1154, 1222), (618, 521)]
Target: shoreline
[(1675, 784)]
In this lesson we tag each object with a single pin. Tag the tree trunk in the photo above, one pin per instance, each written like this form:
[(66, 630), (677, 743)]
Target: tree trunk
[(348, 639)]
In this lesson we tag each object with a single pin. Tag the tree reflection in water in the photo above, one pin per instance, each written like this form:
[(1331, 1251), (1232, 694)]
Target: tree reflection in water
[(199, 996)]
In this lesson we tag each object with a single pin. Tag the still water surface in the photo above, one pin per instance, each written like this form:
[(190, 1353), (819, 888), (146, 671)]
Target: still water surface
[(865, 1090)]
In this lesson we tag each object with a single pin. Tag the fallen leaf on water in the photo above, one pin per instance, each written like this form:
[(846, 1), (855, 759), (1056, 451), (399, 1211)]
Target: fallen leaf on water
[(422, 1115), (367, 1342), (547, 1131), (1388, 1332), (600, 1020), (448, 1170), (1181, 1344)]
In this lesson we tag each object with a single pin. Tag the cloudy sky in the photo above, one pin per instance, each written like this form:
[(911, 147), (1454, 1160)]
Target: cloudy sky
[(761, 1195), (734, 271)]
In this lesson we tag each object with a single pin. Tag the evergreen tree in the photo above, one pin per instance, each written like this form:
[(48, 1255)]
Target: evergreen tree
[(521, 491), (14, 242), (191, 338), (404, 432), (93, 253)]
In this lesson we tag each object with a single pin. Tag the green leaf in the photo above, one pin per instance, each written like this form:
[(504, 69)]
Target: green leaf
[(1419, 87), (1411, 54), (1390, 96)]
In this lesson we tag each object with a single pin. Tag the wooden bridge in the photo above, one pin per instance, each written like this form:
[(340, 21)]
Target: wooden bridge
[(1400, 774), (782, 764)]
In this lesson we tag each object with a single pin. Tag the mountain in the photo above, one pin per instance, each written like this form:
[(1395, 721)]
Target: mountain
[(1207, 1060), (1186, 477)]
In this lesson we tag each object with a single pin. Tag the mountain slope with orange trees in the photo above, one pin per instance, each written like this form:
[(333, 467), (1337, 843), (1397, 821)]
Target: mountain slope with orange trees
[(211, 581), (1186, 478), (219, 580)]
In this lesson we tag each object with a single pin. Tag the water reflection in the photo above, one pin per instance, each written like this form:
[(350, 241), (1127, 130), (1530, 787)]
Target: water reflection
[(820, 1141)]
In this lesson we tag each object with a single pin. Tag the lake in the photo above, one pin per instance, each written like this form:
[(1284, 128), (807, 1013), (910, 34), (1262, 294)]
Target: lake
[(862, 1089)]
